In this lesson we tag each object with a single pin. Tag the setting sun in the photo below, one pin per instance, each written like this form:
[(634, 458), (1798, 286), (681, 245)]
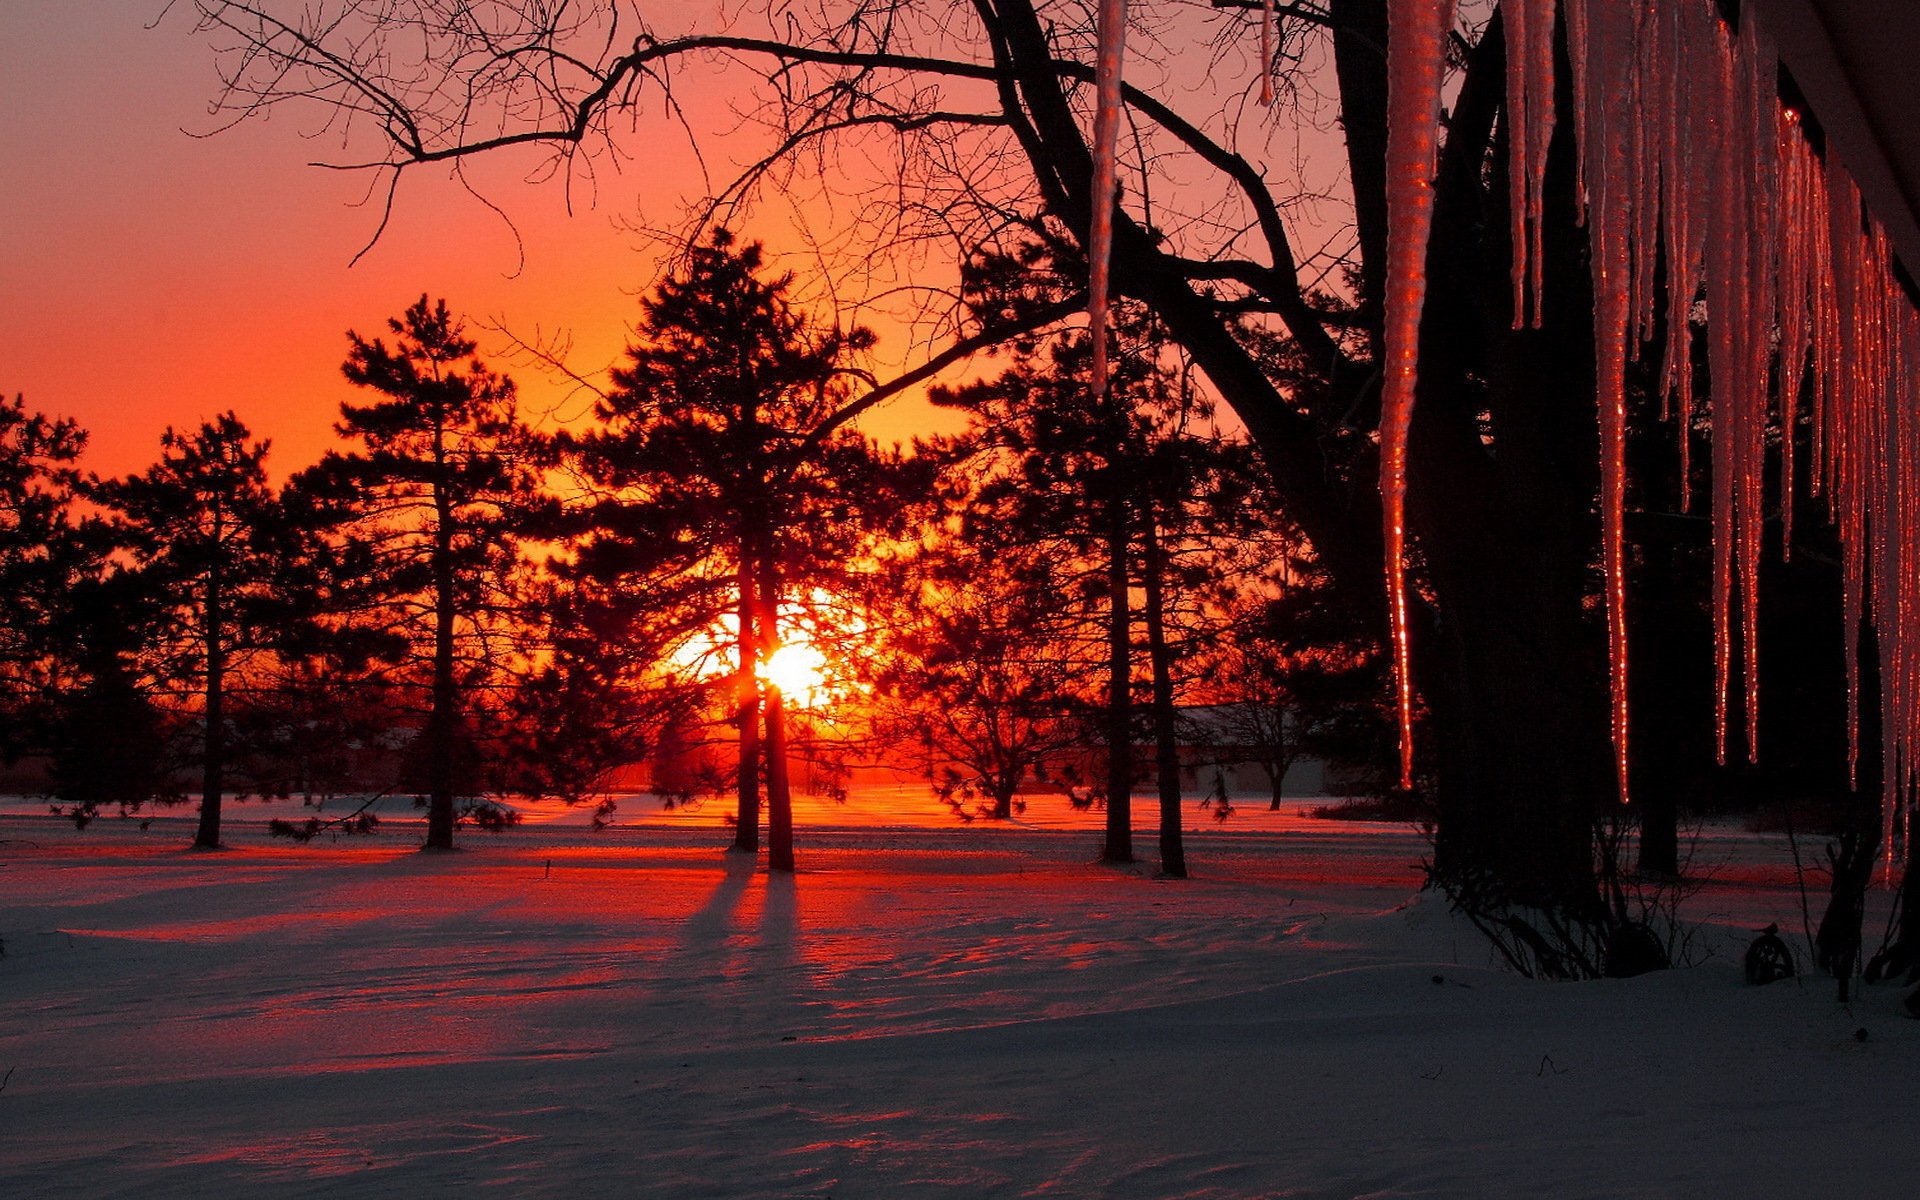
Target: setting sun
[(798, 669)]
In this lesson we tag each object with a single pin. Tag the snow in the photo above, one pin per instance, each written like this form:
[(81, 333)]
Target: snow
[(926, 1009)]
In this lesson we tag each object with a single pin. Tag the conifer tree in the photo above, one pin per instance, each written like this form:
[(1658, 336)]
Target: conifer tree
[(435, 500), (43, 556), (201, 528), (726, 487)]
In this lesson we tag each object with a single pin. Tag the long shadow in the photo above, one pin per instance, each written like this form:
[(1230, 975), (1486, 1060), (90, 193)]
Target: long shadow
[(709, 924)]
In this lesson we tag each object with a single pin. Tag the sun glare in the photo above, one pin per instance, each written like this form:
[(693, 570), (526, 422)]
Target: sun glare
[(798, 669)]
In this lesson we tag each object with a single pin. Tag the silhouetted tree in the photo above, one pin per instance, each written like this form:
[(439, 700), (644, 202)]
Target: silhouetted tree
[(725, 484), (445, 478), (43, 557), (109, 744), (1138, 490), (202, 528), (976, 670)]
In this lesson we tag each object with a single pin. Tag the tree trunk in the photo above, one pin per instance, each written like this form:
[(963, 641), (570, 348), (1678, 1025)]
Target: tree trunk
[(443, 721), (1119, 843), (1166, 749), (779, 787), (1659, 812), (746, 825), (779, 791), (214, 746)]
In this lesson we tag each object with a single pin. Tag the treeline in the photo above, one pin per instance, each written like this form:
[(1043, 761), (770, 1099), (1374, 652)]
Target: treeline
[(458, 606)]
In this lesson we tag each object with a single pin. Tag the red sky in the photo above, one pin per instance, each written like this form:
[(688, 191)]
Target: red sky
[(149, 277)]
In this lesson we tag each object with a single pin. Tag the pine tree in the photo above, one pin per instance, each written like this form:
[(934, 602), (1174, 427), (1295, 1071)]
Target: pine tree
[(1137, 490), (727, 489), (202, 530), (44, 555), (434, 501)]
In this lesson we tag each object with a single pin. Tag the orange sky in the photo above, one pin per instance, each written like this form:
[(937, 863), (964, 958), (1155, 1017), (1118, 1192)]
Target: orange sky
[(149, 277)]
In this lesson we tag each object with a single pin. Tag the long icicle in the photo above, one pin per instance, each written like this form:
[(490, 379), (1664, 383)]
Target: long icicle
[(1416, 56), (1539, 139), (1609, 156), (1106, 154), (1517, 16), (1266, 52)]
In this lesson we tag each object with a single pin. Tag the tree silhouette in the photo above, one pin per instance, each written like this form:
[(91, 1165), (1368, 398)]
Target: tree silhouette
[(977, 670), (43, 557), (434, 502), (724, 484), (203, 531)]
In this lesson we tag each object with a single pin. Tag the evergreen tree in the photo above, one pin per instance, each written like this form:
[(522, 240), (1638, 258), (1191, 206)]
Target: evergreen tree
[(434, 503), (725, 487), (44, 555), (201, 528)]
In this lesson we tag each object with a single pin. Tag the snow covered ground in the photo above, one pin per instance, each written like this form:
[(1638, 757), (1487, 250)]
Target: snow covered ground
[(927, 1009)]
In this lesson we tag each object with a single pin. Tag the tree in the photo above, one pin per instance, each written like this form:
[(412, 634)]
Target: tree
[(202, 530), (1292, 681), (436, 500), (45, 554), (724, 486), (976, 670)]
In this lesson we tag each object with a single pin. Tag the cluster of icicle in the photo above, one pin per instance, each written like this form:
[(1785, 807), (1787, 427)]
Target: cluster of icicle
[(1688, 159)]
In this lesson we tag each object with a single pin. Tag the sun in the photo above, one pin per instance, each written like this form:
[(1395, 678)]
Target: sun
[(798, 669)]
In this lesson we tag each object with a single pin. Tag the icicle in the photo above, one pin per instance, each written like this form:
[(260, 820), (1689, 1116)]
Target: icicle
[(1726, 269), (1266, 52), (1575, 12), (1609, 155), (1416, 57), (1796, 227), (1106, 152), (1529, 126), (1540, 88), (1649, 85), (1839, 448), (1520, 127), (1757, 67)]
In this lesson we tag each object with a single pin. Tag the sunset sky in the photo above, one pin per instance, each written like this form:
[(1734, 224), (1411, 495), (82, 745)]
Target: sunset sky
[(154, 277)]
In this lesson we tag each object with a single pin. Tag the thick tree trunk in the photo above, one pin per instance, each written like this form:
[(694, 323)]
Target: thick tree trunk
[(1516, 662), (1166, 749), (1119, 714)]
